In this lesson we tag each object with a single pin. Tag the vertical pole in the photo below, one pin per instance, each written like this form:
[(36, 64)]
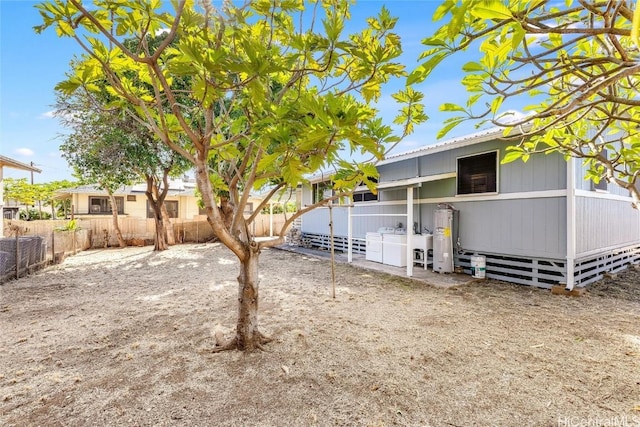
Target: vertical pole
[(349, 236), (270, 219), (53, 247), (571, 223), (409, 247), (17, 255), (333, 258), (1, 202)]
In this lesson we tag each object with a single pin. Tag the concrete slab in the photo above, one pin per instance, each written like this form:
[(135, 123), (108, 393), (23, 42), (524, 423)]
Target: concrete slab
[(438, 280)]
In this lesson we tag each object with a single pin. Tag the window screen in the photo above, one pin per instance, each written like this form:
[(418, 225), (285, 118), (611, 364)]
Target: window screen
[(478, 174), (102, 205), (170, 205), (367, 196)]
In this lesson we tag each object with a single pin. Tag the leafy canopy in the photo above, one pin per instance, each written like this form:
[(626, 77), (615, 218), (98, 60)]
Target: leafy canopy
[(272, 91), (576, 62)]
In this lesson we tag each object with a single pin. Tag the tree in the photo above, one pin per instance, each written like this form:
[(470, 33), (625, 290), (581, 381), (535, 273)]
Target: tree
[(20, 191), (578, 62), (305, 99), (100, 151), (109, 147), (47, 195)]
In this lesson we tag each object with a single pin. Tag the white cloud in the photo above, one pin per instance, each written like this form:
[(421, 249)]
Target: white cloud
[(27, 152), (48, 115)]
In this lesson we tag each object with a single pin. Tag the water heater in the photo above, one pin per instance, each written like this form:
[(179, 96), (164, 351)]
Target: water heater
[(443, 240)]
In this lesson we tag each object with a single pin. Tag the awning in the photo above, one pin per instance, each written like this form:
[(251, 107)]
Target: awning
[(414, 182), (6, 161)]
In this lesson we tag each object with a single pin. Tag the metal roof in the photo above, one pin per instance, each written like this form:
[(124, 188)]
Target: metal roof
[(127, 189), (10, 163), (449, 144)]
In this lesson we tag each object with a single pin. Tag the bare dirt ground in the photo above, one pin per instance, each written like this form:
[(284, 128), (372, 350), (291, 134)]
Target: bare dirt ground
[(123, 337)]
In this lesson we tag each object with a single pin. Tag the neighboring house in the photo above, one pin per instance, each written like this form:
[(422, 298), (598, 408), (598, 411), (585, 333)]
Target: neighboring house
[(538, 223), (6, 162), (90, 202)]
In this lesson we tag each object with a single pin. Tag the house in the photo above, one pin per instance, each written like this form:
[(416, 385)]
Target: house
[(88, 201), (14, 164), (537, 223)]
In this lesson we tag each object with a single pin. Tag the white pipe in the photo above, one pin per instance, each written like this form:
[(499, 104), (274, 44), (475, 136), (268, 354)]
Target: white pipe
[(571, 223), (349, 236), (409, 231)]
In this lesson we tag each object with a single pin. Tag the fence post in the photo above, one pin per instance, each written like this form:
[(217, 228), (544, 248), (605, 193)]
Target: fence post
[(17, 255), (53, 247)]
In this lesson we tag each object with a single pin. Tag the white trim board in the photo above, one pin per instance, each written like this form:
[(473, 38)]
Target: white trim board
[(546, 194), (409, 182), (599, 195)]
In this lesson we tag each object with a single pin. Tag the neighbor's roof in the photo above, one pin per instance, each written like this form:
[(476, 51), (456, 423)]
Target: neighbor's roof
[(10, 163), (127, 189)]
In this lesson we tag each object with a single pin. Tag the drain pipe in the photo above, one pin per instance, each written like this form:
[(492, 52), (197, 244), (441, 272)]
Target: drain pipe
[(571, 224)]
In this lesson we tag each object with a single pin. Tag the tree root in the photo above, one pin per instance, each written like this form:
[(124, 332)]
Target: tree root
[(259, 341), (232, 344)]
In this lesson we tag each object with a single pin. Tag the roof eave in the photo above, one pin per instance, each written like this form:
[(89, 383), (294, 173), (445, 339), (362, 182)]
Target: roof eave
[(6, 161)]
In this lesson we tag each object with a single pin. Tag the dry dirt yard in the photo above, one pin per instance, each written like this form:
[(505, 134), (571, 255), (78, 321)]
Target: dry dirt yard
[(123, 337)]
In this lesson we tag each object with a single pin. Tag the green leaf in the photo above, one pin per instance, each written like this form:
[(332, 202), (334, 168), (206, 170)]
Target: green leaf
[(423, 70), (516, 153), (472, 66), (496, 104), (442, 10), (68, 86), (451, 107), (492, 10), (448, 127)]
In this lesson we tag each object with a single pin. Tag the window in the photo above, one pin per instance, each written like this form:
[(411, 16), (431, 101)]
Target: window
[(102, 205), (321, 191), (170, 205), (478, 174), (366, 196), (131, 198)]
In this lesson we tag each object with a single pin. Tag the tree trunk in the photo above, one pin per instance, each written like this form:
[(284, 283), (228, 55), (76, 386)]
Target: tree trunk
[(156, 201), (168, 227), (160, 243), (248, 337), (116, 226), (226, 207)]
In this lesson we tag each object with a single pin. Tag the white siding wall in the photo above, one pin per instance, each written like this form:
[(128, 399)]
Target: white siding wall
[(605, 223)]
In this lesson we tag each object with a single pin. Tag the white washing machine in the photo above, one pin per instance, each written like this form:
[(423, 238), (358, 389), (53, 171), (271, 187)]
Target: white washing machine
[(374, 247), (394, 248), (374, 241)]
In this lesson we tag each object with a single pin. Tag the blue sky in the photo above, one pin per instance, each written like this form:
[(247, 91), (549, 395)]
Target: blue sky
[(31, 65)]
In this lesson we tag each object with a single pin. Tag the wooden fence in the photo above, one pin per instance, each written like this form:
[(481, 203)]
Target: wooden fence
[(99, 232)]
